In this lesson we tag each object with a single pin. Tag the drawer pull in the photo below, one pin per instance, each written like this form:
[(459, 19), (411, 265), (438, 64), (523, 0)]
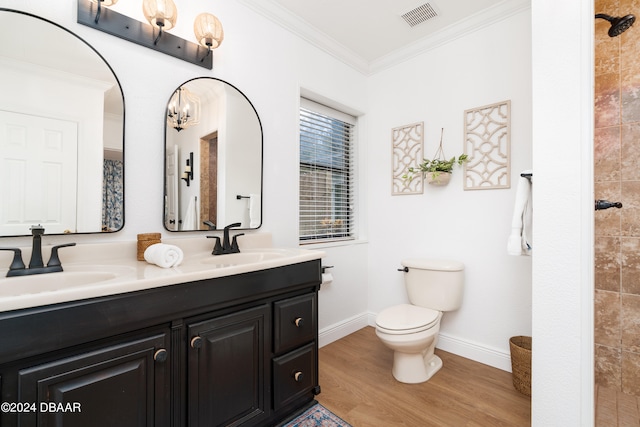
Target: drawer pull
[(298, 376), (160, 355), (299, 322), (196, 342)]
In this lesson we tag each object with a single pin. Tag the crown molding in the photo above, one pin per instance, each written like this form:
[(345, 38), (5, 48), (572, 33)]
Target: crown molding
[(293, 23)]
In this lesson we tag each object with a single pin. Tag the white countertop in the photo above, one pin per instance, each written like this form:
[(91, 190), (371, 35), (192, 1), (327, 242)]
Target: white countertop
[(95, 270)]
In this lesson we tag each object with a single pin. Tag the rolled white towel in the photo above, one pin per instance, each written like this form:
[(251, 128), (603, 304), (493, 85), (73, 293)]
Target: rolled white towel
[(163, 255)]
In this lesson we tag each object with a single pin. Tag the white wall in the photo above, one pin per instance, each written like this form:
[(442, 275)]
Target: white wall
[(563, 193), (447, 222)]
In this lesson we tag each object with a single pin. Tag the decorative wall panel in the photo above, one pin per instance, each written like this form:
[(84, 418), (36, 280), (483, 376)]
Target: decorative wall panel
[(407, 145), (487, 132)]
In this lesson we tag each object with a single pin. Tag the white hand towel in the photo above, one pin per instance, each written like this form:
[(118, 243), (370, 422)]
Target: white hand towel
[(164, 255), (254, 211), (520, 240)]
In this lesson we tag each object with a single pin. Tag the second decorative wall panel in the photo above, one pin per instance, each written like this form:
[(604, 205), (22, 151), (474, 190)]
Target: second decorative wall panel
[(487, 133)]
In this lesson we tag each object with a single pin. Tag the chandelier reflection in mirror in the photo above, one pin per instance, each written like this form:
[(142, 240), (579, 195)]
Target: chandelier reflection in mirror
[(183, 110)]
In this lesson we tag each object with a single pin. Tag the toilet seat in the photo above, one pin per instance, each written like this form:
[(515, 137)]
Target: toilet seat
[(406, 319)]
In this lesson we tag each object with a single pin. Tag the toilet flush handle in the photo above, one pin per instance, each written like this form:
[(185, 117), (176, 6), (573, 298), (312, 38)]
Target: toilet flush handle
[(405, 269)]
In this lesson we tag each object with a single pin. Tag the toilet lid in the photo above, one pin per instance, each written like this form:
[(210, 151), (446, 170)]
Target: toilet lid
[(407, 318)]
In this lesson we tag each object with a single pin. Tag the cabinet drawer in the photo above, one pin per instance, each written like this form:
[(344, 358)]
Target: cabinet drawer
[(293, 375), (294, 322)]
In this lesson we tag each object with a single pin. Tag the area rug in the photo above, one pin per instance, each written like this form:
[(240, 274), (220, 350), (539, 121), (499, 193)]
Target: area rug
[(317, 416)]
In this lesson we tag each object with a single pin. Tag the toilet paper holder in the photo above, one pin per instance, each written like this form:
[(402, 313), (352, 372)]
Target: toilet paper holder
[(327, 278)]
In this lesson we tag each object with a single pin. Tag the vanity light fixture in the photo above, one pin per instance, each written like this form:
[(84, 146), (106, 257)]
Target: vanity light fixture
[(101, 3), (183, 110), (161, 14), (187, 175), (208, 31)]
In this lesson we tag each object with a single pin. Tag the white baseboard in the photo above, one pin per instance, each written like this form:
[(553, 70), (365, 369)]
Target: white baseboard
[(467, 349), (488, 356), (342, 329)]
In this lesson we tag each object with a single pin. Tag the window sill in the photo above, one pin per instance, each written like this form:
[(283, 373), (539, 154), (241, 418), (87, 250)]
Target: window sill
[(337, 243)]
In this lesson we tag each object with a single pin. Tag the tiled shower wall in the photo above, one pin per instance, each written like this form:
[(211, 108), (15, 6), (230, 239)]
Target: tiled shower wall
[(617, 178)]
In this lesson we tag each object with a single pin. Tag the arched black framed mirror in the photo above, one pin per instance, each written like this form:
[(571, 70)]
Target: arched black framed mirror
[(213, 158), (61, 131)]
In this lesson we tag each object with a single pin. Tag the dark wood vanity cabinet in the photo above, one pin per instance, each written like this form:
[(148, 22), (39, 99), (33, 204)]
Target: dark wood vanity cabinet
[(232, 351)]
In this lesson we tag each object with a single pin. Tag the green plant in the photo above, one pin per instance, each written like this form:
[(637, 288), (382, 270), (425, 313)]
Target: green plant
[(437, 165)]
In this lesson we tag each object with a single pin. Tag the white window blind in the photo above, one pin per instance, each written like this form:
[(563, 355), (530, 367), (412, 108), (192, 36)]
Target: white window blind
[(327, 178)]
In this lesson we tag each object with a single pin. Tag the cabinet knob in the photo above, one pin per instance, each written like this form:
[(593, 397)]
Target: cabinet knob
[(196, 342), (298, 376), (160, 355), (299, 322)]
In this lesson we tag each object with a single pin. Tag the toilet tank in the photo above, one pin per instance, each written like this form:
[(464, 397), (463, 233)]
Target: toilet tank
[(434, 284)]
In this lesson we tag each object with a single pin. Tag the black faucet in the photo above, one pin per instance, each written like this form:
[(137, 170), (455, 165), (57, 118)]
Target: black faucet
[(36, 252), (36, 265), (228, 246)]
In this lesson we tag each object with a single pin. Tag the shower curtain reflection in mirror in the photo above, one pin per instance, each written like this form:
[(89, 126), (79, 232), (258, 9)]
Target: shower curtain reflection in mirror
[(112, 196)]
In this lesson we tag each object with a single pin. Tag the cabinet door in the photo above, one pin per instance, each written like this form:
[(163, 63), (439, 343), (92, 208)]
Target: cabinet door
[(228, 369), (124, 384)]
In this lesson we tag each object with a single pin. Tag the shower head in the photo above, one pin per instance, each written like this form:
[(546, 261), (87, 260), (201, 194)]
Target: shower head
[(618, 24)]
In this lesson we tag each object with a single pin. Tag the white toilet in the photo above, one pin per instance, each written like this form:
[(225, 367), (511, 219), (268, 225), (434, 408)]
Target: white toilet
[(411, 330)]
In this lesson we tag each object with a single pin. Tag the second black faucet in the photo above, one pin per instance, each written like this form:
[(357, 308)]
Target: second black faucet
[(229, 245)]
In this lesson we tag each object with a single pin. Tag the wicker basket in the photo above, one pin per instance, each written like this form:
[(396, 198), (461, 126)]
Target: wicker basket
[(144, 241), (521, 363)]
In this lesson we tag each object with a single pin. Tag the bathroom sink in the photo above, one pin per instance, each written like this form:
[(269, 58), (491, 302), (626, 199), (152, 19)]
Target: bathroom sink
[(76, 277)]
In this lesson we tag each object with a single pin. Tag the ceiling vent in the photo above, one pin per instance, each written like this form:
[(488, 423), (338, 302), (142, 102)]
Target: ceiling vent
[(419, 14)]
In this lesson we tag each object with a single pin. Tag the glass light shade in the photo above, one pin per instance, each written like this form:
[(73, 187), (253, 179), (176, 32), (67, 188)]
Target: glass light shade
[(208, 30), (183, 110), (105, 2), (160, 13)]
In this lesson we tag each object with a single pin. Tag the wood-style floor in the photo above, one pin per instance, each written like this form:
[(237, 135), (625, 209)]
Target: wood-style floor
[(357, 385)]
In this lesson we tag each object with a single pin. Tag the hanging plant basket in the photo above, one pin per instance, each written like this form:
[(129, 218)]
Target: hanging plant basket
[(438, 178), (438, 170)]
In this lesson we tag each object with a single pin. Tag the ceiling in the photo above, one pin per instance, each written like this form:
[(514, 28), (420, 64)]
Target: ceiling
[(372, 34)]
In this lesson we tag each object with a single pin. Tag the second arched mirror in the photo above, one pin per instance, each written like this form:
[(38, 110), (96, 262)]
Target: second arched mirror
[(213, 158)]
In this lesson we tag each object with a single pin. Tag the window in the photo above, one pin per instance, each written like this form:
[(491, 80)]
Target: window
[(327, 178)]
